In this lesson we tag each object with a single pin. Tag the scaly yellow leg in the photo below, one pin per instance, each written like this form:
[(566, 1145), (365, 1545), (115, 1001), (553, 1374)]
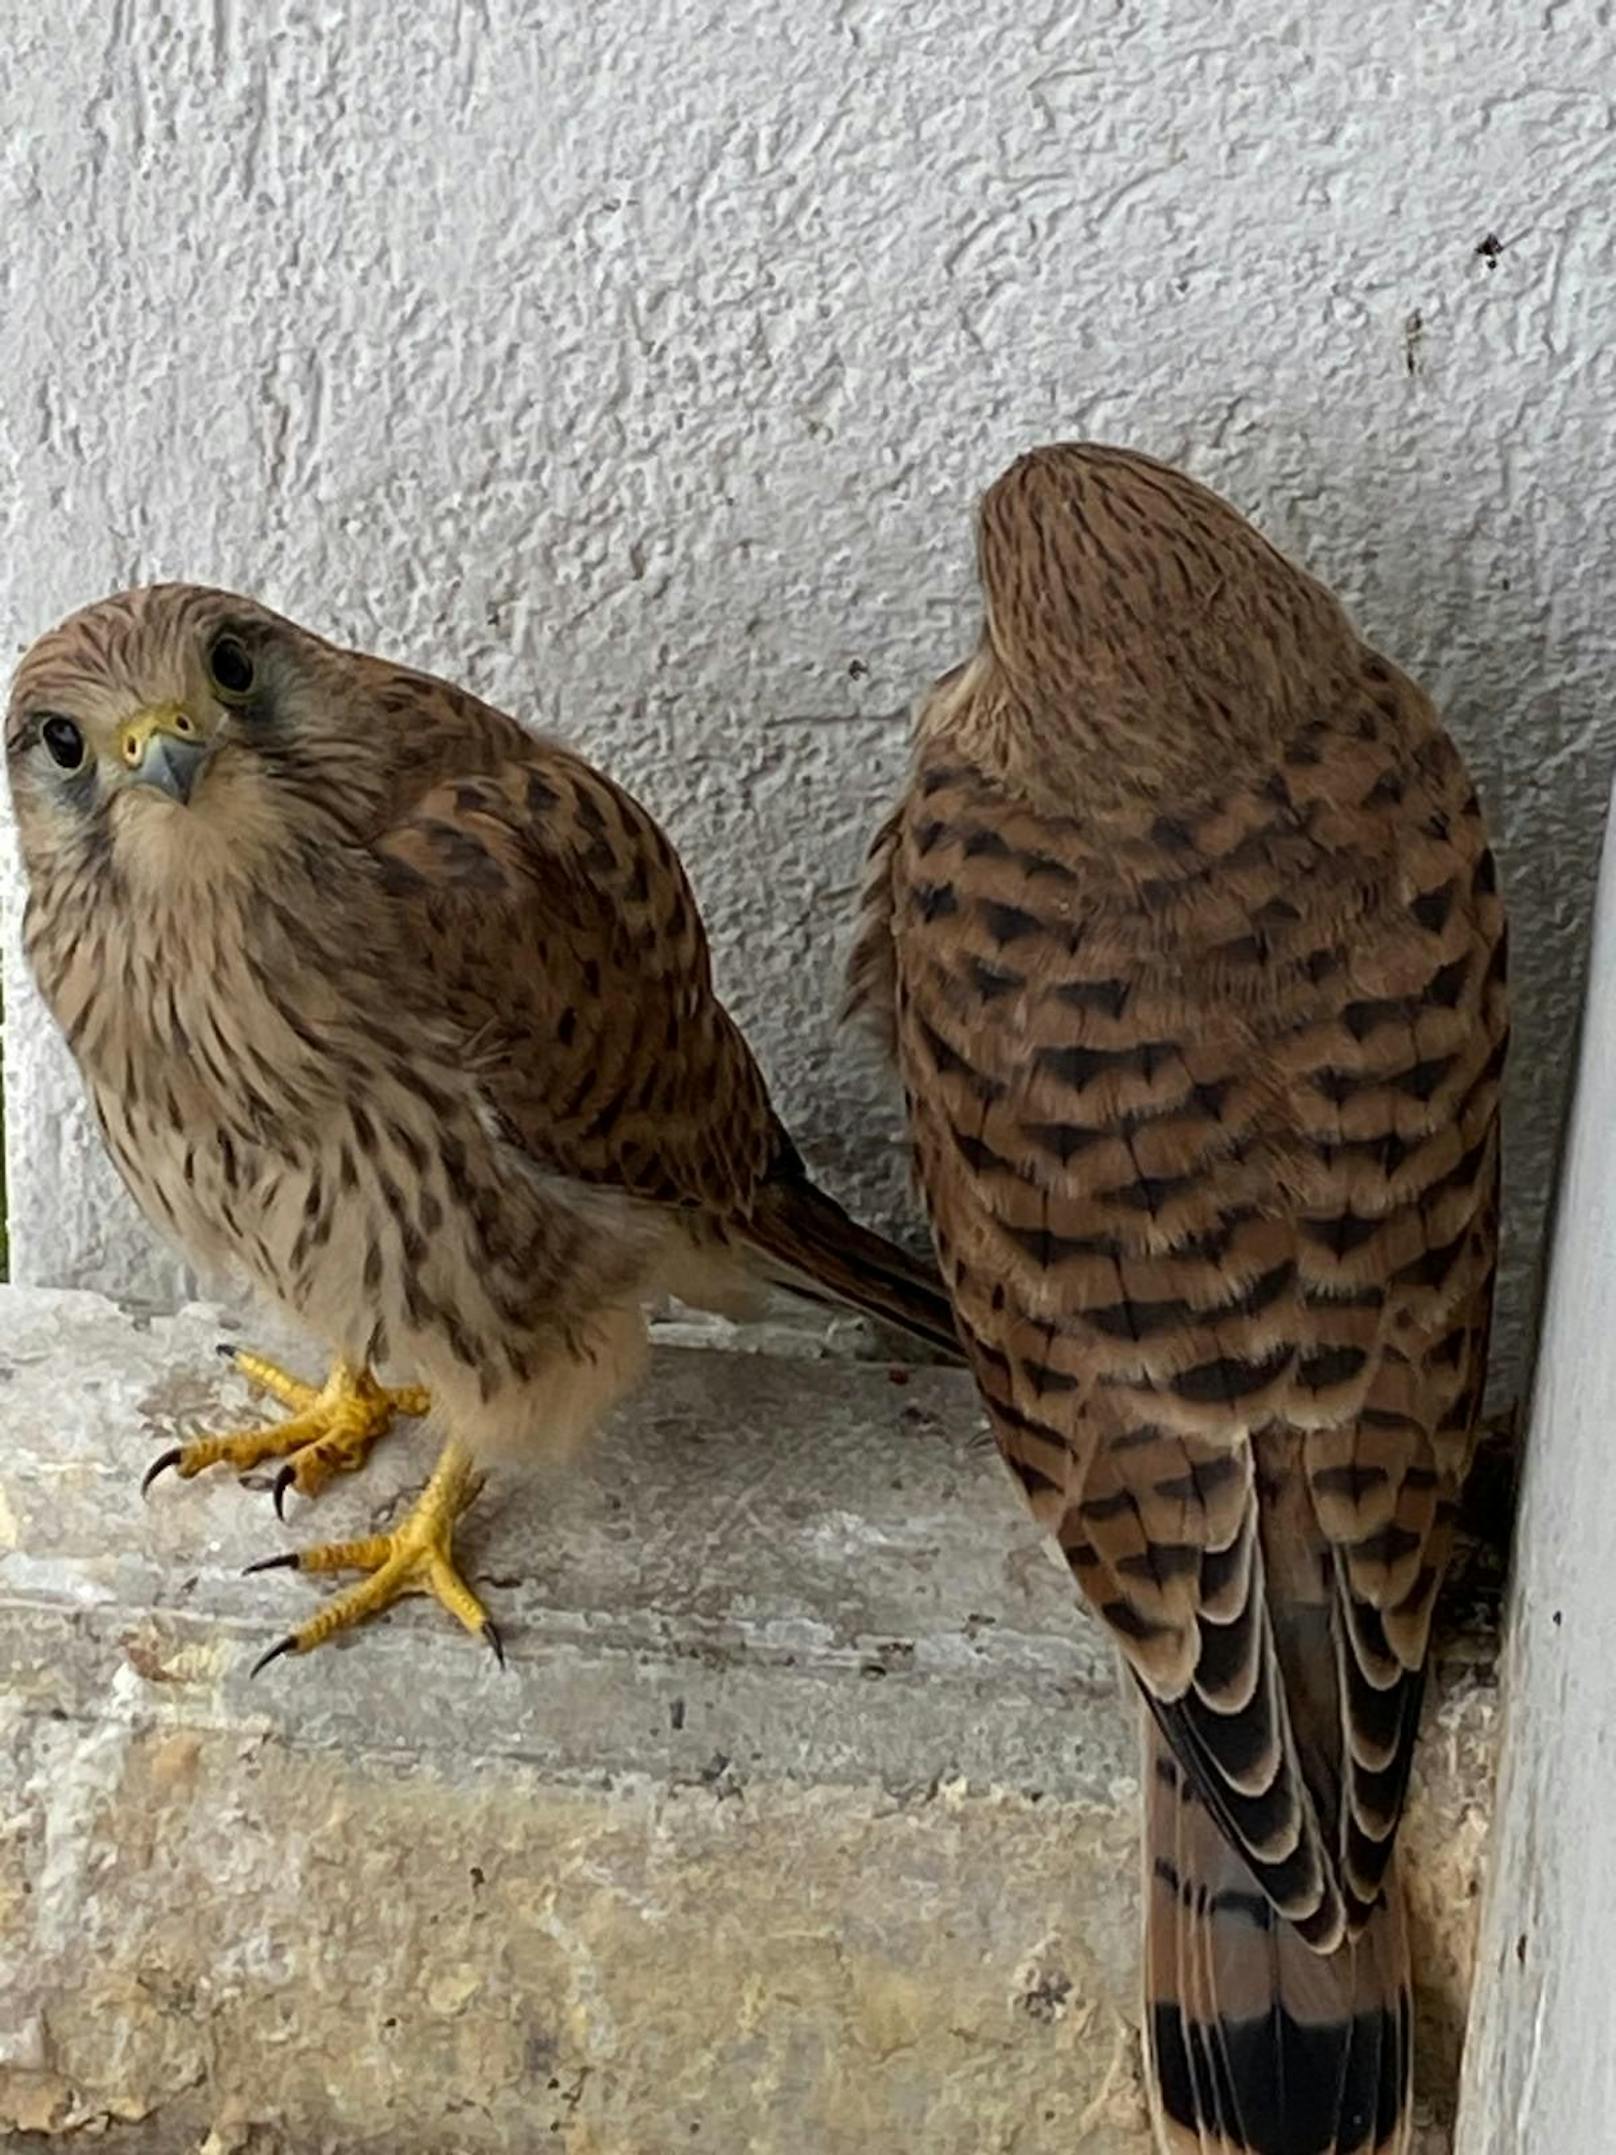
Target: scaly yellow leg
[(332, 1428), (415, 1558)]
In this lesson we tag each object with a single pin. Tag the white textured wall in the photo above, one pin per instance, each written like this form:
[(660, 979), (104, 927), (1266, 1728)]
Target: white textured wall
[(639, 362)]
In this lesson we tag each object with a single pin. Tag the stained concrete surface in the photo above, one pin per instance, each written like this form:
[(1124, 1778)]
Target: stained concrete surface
[(802, 1822)]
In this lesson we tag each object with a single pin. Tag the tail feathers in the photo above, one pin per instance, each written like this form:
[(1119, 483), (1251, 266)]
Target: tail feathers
[(821, 1251), (1257, 2044)]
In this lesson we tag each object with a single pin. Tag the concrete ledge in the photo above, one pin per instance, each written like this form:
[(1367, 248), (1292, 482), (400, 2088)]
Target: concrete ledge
[(803, 1821)]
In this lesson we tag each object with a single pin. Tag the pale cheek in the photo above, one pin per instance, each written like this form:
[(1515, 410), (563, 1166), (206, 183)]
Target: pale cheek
[(54, 809)]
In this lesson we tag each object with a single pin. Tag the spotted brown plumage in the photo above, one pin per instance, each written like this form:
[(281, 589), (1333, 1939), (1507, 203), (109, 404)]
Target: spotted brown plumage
[(409, 1014), (1188, 939)]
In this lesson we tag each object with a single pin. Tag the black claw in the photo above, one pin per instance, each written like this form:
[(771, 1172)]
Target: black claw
[(283, 1481), (289, 1562), (160, 1465), (225, 1351), (288, 1645), (491, 1634)]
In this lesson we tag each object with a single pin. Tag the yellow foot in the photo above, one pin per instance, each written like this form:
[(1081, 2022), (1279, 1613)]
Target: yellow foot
[(331, 1431), (416, 1558)]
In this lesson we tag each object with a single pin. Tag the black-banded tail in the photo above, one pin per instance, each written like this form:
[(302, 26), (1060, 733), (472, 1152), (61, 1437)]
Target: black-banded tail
[(823, 1251), (1257, 2044)]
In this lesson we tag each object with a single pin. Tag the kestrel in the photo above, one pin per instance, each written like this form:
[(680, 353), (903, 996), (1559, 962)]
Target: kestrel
[(410, 1015), (1189, 942)]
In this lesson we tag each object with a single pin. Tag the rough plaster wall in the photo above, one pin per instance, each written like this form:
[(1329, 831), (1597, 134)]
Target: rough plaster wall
[(639, 365)]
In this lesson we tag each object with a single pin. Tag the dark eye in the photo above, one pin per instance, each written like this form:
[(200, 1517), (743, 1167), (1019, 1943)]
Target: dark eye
[(64, 741), (230, 666)]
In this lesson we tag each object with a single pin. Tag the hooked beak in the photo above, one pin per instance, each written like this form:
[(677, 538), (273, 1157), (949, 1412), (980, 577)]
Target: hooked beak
[(164, 748)]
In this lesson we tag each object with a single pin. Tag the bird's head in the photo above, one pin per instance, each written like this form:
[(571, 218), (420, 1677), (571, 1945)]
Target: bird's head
[(173, 729), (1139, 634)]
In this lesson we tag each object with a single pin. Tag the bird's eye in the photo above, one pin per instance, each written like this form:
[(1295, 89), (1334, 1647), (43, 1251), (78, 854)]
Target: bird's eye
[(230, 666), (64, 742)]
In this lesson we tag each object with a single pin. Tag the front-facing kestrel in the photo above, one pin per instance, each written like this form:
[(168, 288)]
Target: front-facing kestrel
[(409, 1014), (1188, 937)]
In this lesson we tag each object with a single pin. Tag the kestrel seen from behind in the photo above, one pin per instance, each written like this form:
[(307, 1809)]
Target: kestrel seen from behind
[(1188, 937)]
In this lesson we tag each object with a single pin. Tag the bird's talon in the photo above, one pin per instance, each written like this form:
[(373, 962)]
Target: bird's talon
[(289, 1561), (160, 1465), (288, 1645), (495, 1642), (283, 1481)]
